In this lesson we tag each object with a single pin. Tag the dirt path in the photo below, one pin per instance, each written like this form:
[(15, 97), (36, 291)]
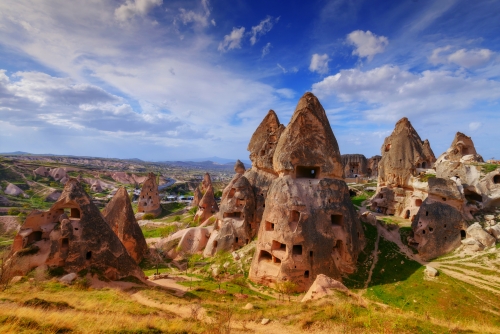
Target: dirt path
[(183, 311), (375, 258)]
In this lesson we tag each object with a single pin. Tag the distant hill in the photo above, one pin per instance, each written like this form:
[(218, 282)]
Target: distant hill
[(219, 160)]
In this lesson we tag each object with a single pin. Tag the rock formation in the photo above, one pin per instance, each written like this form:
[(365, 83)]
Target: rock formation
[(309, 225), (206, 183), (120, 217), (404, 156), (13, 190), (41, 171), (235, 221), (355, 165), (324, 286), (372, 168), (439, 226), (72, 235), (197, 197), (149, 201), (207, 206)]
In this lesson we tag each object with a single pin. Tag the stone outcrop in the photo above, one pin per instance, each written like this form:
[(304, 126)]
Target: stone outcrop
[(306, 147), (206, 183), (440, 224), (13, 190), (309, 225), (59, 174), (355, 165), (149, 200), (197, 197), (235, 221), (207, 206), (404, 156), (372, 168), (72, 235), (41, 171), (263, 142), (119, 214), (324, 286)]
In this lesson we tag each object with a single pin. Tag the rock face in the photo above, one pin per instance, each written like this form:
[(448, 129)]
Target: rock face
[(149, 201), (309, 226), (13, 190), (306, 148), (72, 235), (323, 286), (354, 165), (235, 220), (119, 214), (404, 155), (462, 149), (263, 142), (372, 168), (439, 225)]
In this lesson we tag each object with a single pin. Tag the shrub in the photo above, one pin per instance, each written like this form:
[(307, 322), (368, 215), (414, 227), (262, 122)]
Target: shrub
[(148, 216), (13, 212), (32, 249)]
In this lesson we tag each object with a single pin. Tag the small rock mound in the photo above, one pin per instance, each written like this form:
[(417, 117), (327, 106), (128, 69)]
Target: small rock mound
[(323, 286)]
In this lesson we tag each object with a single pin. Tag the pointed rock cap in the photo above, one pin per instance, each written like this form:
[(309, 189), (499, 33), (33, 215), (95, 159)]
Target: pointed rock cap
[(264, 140), (206, 183), (462, 145), (239, 167), (428, 151), (120, 217), (208, 200), (307, 145)]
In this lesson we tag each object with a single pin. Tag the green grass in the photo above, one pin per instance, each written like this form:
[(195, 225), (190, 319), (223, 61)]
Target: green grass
[(365, 259), (488, 168), (426, 177), (157, 232), (359, 199)]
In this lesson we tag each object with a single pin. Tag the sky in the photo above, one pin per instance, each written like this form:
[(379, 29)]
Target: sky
[(177, 80)]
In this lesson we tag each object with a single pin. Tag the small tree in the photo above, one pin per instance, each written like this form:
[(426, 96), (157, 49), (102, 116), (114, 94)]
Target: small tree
[(156, 255), (240, 281), (286, 288)]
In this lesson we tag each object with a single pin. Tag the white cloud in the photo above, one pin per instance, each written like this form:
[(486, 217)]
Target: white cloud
[(319, 63), (262, 28), (201, 19), (132, 8), (286, 93), (474, 126), (391, 92), (463, 57), (233, 40), (367, 44), (266, 49)]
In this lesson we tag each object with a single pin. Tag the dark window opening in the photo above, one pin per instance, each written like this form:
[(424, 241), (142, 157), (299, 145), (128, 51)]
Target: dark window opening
[(269, 226), (444, 225), (297, 250), (278, 246), (88, 256), (423, 231), (232, 215), (418, 202), (337, 220), (236, 239), (472, 195), (306, 172), (75, 213), (215, 243), (407, 215), (76, 228), (424, 165), (496, 179), (64, 243), (444, 199), (311, 254), (426, 213), (276, 260), (306, 274), (263, 152), (387, 147), (247, 241), (381, 196), (463, 234), (265, 256), (431, 229)]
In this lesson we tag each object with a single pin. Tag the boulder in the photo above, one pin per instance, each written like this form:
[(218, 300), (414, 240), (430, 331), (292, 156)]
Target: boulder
[(13, 190), (194, 240), (472, 244), (67, 279), (248, 307), (58, 174), (430, 271), (42, 171), (265, 321), (494, 231), (16, 279), (476, 232), (53, 196), (119, 215), (323, 286)]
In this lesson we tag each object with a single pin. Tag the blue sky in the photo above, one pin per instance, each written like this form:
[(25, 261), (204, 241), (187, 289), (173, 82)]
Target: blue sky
[(173, 80)]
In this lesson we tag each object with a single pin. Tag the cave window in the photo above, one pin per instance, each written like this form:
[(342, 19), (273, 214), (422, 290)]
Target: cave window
[(263, 152), (236, 240), (426, 213), (387, 147), (444, 225), (232, 215), (424, 164), (88, 256), (64, 243), (337, 220), (407, 215), (462, 234), (423, 231), (306, 274), (310, 253), (276, 260), (297, 250), (418, 202), (381, 195), (431, 229), (269, 226), (265, 256), (496, 179), (247, 241), (444, 199), (74, 213), (215, 244), (306, 172)]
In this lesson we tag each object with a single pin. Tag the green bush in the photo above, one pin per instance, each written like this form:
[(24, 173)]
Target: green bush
[(13, 212), (148, 216), (32, 249)]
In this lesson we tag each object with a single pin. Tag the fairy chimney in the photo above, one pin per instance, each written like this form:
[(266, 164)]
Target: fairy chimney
[(197, 197), (149, 200), (207, 206), (119, 214), (309, 225)]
